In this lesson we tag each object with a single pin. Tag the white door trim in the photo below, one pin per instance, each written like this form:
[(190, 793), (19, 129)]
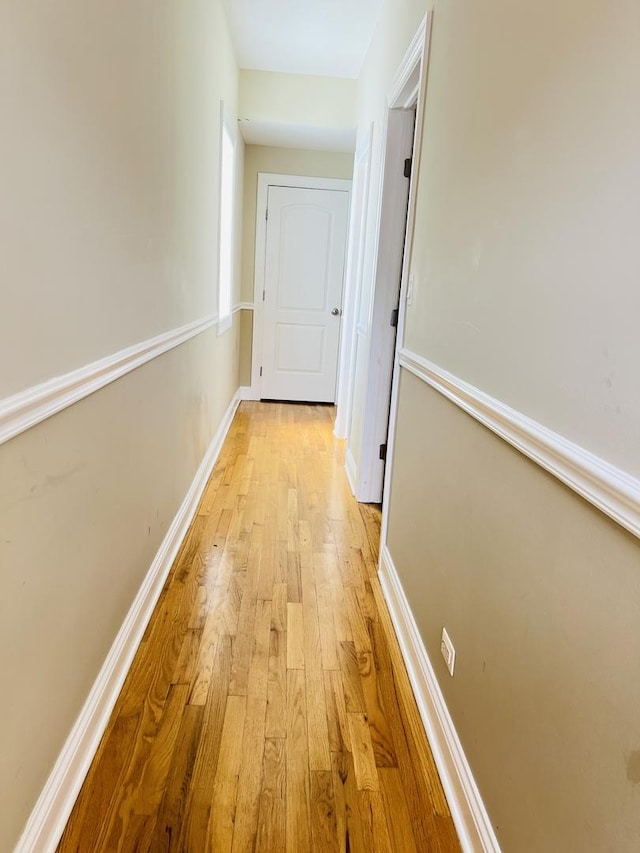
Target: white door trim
[(425, 28), (388, 273), (353, 282), (265, 180), (407, 89)]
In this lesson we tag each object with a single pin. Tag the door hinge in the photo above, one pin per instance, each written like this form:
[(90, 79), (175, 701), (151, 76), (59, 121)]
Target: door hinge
[(407, 167), (383, 452), (260, 371), (394, 318), (266, 214), (263, 292)]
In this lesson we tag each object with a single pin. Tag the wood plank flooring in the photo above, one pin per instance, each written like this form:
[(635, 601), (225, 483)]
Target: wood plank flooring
[(268, 707)]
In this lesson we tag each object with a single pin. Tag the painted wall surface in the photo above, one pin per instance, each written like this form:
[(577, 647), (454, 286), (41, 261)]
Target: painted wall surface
[(109, 168), (246, 336), (526, 264), (540, 593), (297, 98), (526, 286), (108, 164)]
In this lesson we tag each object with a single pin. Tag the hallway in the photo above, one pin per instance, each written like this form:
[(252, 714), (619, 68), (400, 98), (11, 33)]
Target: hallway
[(268, 707)]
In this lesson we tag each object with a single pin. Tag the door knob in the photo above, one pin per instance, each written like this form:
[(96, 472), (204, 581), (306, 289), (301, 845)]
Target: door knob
[(336, 312)]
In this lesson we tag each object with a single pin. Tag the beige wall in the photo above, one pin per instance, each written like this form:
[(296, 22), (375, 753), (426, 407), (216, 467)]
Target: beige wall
[(527, 267), (526, 272), (246, 337), (540, 593), (112, 192), (297, 98), (108, 235)]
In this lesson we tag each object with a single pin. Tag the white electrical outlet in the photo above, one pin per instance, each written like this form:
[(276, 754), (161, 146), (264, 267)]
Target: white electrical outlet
[(448, 651)]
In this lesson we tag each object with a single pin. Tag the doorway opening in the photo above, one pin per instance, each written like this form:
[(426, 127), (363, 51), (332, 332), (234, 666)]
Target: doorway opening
[(376, 344), (301, 235)]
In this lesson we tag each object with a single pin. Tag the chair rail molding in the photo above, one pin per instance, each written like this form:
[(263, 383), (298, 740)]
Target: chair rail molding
[(610, 489), (27, 408)]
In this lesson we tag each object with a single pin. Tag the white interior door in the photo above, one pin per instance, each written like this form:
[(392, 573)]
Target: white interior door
[(304, 272)]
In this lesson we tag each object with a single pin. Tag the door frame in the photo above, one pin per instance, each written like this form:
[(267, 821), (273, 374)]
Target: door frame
[(266, 180), (353, 284), (407, 92)]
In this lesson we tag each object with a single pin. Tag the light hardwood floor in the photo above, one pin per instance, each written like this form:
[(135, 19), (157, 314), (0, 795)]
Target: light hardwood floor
[(268, 707)]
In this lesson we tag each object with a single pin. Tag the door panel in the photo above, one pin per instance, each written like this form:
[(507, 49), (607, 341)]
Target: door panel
[(305, 249), (304, 271), (299, 348)]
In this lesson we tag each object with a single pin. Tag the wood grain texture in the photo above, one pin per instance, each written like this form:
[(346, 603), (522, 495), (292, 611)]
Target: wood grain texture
[(268, 707), (364, 762), (225, 792)]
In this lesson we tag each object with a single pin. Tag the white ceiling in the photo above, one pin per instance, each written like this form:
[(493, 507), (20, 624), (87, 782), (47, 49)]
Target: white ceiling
[(321, 37)]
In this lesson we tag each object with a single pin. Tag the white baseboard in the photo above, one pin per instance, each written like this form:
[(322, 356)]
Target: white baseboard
[(248, 392), (467, 809), (338, 430), (51, 812), (351, 470)]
